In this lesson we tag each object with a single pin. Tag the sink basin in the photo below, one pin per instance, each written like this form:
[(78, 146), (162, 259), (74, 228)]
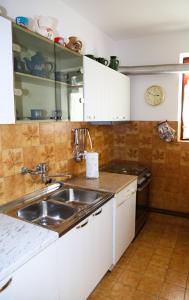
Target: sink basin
[(77, 195), (46, 213)]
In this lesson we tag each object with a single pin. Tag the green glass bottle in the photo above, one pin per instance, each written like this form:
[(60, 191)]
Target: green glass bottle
[(114, 63)]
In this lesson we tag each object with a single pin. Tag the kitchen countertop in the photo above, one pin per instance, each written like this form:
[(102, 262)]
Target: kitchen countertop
[(19, 242), (107, 182)]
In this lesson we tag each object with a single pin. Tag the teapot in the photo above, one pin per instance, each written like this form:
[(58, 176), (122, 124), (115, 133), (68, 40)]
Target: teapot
[(37, 65), (44, 26), (74, 43)]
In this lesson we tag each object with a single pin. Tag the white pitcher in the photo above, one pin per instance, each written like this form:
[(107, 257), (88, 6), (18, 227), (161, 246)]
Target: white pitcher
[(45, 26)]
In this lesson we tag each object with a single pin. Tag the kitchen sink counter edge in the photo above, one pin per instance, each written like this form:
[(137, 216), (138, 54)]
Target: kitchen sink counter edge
[(19, 242), (107, 182)]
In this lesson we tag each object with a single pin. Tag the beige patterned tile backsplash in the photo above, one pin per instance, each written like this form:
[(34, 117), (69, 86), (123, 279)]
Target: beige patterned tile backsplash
[(169, 162), (32, 143), (29, 144)]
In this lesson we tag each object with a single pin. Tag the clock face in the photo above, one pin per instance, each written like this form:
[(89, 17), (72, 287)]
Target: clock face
[(154, 95)]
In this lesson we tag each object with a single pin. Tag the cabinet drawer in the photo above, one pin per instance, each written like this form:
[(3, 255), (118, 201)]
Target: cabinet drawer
[(126, 192)]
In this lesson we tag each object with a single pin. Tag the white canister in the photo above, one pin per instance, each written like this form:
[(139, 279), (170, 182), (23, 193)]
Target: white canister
[(92, 166)]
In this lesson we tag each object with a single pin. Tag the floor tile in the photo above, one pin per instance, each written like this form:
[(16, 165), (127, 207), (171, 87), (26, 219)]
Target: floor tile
[(160, 261), (154, 267), (130, 278), (122, 292), (150, 285), (164, 251), (172, 292), (138, 295), (173, 276), (186, 295), (187, 285), (155, 271)]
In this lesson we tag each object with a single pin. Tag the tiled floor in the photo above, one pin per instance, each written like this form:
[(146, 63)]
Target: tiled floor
[(155, 266)]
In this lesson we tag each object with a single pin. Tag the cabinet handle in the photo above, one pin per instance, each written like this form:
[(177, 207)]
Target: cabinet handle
[(6, 285), (97, 213), (81, 100), (82, 225)]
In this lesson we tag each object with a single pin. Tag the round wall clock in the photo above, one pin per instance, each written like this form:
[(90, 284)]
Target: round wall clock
[(154, 95)]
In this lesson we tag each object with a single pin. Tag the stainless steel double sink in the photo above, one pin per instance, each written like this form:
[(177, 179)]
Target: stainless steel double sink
[(57, 207)]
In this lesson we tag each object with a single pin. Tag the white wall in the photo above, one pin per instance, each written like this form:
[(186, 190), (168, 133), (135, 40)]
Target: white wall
[(159, 49), (70, 23)]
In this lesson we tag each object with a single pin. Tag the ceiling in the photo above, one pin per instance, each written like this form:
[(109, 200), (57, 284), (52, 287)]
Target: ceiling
[(123, 19)]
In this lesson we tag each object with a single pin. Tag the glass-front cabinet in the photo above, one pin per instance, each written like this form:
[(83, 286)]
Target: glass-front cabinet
[(48, 78), (69, 84)]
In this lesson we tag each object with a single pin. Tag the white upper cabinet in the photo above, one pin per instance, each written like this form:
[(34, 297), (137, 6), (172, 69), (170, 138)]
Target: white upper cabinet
[(57, 93), (106, 93), (7, 111)]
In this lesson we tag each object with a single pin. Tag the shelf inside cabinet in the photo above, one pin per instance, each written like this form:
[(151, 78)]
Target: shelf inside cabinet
[(47, 80), (33, 77)]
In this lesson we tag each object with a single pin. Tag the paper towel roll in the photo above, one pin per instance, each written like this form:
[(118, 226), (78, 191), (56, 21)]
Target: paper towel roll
[(92, 168)]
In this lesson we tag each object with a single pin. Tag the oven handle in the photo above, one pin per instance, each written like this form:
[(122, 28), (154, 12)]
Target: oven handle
[(143, 186)]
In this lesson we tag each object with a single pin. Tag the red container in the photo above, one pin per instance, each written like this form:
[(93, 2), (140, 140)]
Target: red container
[(59, 40)]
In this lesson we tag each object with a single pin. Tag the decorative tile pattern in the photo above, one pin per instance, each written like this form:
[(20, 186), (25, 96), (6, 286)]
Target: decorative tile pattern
[(169, 162), (29, 144), (156, 280)]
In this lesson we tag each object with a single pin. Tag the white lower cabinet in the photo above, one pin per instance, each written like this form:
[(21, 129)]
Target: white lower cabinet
[(35, 280), (101, 242), (6, 289), (84, 255), (124, 220)]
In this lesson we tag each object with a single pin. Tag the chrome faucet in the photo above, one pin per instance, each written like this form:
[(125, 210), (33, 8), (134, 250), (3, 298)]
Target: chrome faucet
[(42, 170)]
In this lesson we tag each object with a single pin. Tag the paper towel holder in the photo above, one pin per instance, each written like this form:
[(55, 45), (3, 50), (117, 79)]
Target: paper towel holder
[(80, 143)]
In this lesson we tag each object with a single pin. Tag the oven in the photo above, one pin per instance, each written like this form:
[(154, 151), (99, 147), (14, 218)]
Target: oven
[(142, 203)]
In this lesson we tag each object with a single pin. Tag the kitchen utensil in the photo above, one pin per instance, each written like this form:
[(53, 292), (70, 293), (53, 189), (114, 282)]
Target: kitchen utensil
[(61, 76), (22, 21), (45, 26), (80, 143), (16, 48), (37, 114), (102, 60), (114, 63), (18, 92), (57, 114), (59, 40), (74, 43), (19, 65), (74, 80), (38, 66)]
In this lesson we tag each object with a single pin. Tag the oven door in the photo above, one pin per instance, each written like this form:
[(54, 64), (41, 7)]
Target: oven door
[(142, 204)]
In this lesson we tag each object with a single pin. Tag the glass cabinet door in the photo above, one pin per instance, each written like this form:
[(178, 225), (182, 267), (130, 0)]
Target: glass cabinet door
[(69, 83), (48, 78), (34, 81)]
